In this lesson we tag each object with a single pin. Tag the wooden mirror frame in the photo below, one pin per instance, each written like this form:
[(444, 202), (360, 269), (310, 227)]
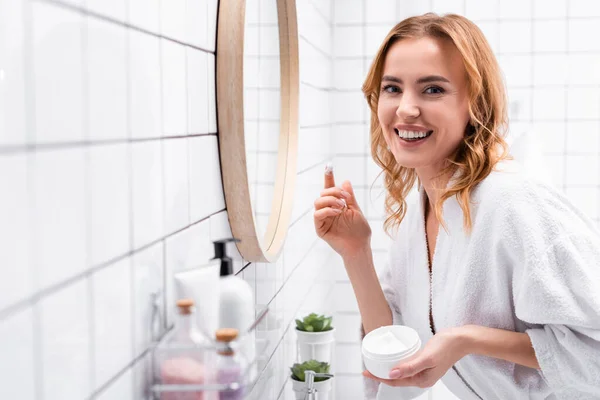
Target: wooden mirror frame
[(230, 117)]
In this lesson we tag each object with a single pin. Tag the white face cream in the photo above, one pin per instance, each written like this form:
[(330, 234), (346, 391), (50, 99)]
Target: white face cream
[(384, 347), (386, 343)]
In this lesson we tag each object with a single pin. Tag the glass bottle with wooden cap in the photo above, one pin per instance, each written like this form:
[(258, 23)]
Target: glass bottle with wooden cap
[(230, 364), (183, 360)]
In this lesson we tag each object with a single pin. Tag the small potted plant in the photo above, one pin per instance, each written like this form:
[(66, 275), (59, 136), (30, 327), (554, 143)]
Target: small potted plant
[(315, 338), (322, 385)]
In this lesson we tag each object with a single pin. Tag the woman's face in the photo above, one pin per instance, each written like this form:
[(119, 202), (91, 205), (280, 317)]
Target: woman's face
[(423, 103)]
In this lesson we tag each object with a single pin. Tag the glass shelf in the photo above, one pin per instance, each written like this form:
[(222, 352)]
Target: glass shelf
[(203, 359)]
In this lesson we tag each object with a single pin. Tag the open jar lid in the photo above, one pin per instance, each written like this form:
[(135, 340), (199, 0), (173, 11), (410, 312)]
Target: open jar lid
[(391, 342)]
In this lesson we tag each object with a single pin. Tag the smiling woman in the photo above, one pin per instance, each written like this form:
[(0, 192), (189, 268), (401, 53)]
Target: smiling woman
[(504, 298)]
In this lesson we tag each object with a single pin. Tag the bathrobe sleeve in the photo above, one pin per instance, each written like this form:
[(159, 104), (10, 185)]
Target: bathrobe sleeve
[(556, 293)]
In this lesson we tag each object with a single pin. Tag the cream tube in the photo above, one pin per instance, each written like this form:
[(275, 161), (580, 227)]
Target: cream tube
[(202, 284)]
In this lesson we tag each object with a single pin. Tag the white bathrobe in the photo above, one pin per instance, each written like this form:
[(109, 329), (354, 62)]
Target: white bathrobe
[(531, 264)]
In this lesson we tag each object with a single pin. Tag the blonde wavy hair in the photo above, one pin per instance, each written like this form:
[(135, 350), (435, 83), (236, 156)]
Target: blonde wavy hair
[(483, 145)]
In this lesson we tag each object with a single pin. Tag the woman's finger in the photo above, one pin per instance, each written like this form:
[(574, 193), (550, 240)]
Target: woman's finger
[(329, 179), (329, 201), (351, 199), (325, 213), (411, 381), (337, 192)]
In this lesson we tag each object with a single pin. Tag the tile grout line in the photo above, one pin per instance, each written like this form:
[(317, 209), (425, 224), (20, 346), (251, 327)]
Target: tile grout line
[(30, 126), (60, 3), (35, 298)]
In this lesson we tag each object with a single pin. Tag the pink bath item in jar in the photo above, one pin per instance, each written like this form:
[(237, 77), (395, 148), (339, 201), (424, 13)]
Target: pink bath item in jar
[(182, 371)]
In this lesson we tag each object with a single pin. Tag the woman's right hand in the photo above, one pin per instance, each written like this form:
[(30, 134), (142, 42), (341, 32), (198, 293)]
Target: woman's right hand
[(339, 220)]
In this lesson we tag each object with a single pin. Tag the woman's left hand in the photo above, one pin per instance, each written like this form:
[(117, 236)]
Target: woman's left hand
[(428, 365)]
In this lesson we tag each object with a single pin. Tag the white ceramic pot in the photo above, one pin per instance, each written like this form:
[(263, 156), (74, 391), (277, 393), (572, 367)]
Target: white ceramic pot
[(323, 389), (315, 345)]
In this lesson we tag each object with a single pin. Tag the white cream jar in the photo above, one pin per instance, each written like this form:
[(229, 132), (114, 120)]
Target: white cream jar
[(385, 347)]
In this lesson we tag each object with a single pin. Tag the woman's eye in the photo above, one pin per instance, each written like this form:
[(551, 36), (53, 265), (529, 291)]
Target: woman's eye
[(391, 89), (434, 90)]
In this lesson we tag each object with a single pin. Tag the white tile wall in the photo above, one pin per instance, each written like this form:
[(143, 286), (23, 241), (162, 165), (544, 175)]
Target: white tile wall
[(123, 186), (12, 82), (550, 69)]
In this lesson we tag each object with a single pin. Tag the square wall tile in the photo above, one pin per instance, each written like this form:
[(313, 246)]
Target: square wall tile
[(177, 202), (196, 15), (491, 31), (549, 104), (351, 139), (349, 74), (58, 73), (515, 9), (549, 36), (206, 188), (349, 107), (106, 77), (448, 6), (121, 389), (15, 231), (212, 94), (110, 202), (172, 19), (112, 320), (66, 343), (350, 11), (584, 8), (381, 11), (350, 387), (145, 14), (576, 164), (550, 69), (17, 362), (516, 69), (478, 10), (583, 137), (375, 36), (584, 69), (348, 359), (580, 30), (211, 25), (60, 214), (351, 168), (552, 136), (149, 296), (349, 41), (147, 192), (174, 88), (197, 91), (515, 36), (114, 9), (556, 169), (583, 103), (550, 9), (144, 85), (410, 8), (520, 99), (12, 77)]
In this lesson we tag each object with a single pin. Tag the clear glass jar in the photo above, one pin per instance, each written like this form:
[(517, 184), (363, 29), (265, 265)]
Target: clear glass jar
[(231, 365), (184, 359)]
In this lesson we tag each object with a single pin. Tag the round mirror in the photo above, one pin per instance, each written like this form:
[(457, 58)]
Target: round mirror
[(262, 107), (257, 105)]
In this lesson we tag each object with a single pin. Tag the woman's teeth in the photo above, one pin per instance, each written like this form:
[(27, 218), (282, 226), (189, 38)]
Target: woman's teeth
[(412, 135)]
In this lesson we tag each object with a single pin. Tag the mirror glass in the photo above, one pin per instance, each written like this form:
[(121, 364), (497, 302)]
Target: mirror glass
[(262, 106)]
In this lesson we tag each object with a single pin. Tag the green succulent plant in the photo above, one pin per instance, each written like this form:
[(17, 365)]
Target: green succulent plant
[(311, 365), (314, 323)]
